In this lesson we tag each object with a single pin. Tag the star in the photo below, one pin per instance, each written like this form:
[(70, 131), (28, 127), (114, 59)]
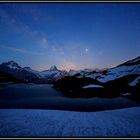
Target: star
[(86, 50)]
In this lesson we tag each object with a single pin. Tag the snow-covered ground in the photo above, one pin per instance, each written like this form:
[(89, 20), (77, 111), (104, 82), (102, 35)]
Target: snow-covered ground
[(92, 86), (116, 123), (134, 83)]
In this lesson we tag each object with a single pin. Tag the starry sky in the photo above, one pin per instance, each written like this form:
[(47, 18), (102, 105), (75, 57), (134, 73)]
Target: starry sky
[(69, 35)]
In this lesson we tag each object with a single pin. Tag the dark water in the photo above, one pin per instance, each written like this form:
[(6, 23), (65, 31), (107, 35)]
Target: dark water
[(32, 96)]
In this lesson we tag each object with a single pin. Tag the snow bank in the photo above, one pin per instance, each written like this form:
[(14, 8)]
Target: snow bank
[(133, 83), (115, 123), (93, 86), (126, 94)]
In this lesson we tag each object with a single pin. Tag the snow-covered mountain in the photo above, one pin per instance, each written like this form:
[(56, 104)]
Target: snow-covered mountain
[(134, 61), (102, 83), (53, 73), (23, 74), (31, 70), (26, 74), (82, 72), (130, 67), (73, 72)]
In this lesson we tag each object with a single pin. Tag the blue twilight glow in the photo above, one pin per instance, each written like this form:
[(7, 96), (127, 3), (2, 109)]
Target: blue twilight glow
[(69, 35)]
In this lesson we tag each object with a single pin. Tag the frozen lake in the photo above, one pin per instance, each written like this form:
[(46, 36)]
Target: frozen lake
[(33, 96)]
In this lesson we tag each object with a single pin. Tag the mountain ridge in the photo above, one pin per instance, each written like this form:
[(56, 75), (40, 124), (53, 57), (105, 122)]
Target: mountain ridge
[(27, 74)]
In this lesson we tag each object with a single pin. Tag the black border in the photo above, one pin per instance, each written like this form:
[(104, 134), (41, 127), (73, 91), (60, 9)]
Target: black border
[(68, 2)]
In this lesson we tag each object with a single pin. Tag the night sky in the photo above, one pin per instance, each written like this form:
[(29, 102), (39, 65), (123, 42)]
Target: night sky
[(69, 35)]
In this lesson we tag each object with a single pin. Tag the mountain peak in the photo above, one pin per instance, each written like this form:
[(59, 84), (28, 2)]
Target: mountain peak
[(28, 68), (11, 64), (53, 68)]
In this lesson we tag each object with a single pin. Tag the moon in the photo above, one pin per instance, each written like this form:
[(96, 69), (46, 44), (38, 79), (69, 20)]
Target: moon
[(86, 50)]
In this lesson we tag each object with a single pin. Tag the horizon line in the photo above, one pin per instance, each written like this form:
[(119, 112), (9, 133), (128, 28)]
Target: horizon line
[(82, 68)]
